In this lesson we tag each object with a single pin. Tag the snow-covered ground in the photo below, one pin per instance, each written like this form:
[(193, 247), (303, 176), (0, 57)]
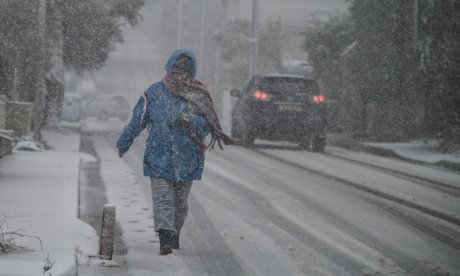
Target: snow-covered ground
[(431, 173), (293, 214), (39, 197), (135, 215), (323, 209), (420, 150), (93, 125), (380, 182), (272, 211)]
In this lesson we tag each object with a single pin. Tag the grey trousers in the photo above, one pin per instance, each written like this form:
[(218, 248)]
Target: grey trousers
[(169, 203)]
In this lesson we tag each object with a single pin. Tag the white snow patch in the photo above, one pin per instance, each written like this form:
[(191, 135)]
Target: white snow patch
[(92, 124), (426, 172), (135, 215), (39, 194), (420, 150), (104, 263), (27, 146), (381, 182)]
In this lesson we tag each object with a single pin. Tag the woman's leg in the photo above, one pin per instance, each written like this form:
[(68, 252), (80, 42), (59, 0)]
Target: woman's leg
[(163, 197), (182, 190), (164, 213)]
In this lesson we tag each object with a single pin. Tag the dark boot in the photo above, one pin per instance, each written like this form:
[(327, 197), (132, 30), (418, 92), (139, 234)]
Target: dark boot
[(175, 241), (165, 241)]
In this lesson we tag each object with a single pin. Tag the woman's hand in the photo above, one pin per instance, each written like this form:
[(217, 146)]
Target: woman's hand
[(185, 119)]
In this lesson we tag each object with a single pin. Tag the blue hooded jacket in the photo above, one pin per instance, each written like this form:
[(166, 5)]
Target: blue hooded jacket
[(169, 153)]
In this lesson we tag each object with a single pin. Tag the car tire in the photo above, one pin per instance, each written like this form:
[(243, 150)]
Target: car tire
[(236, 132), (318, 144), (247, 135), (304, 144), (244, 132), (248, 138)]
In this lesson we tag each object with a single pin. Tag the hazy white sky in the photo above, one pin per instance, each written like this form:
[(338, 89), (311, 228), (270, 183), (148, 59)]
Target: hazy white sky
[(138, 61), (291, 12)]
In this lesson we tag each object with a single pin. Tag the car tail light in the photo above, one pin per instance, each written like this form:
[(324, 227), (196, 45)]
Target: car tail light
[(319, 99), (261, 95)]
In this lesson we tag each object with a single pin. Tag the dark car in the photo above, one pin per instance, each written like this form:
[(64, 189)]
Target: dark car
[(281, 107)]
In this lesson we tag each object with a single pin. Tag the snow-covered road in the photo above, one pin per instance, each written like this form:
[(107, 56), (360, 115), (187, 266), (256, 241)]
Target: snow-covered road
[(288, 212)]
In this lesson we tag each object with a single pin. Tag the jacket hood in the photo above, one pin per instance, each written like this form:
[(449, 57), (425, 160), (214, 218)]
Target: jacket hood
[(175, 55)]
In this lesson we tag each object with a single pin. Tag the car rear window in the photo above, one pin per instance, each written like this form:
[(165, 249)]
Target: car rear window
[(286, 85)]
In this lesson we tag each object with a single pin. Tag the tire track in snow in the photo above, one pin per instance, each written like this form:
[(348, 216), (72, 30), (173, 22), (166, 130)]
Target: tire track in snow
[(437, 185), (438, 229), (235, 161), (396, 199), (340, 254), (352, 230), (202, 250)]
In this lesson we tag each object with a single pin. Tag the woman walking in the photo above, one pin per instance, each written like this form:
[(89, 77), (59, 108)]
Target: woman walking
[(178, 112)]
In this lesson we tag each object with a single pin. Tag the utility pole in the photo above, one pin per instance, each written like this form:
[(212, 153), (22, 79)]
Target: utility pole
[(217, 57), (415, 24), (202, 36), (39, 97), (180, 14), (56, 82), (254, 39)]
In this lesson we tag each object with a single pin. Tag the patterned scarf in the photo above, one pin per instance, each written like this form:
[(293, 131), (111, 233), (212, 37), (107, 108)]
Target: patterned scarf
[(196, 93)]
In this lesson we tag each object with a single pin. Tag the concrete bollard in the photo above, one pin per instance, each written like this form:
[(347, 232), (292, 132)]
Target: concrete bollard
[(107, 232)]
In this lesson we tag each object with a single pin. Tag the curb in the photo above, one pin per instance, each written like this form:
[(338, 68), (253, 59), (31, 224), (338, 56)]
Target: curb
[(356, 146), (391, 153), (449, 164)]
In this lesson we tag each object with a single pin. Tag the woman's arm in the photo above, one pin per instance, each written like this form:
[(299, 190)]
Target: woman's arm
[(139, 121), (200, 125)]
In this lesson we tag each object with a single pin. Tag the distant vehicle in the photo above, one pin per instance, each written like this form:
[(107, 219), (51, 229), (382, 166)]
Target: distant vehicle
[(71, 108), (281, 107), (103, 106)]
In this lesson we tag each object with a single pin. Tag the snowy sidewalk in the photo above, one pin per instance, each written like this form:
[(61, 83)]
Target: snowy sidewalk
[(419, 151), (39, 195), (416, 151)]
